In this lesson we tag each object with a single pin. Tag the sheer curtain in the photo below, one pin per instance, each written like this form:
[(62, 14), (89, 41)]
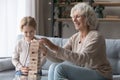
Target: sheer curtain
[(11, 12)]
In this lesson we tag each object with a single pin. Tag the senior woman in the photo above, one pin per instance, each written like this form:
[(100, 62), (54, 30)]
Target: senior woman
[(85, 51)]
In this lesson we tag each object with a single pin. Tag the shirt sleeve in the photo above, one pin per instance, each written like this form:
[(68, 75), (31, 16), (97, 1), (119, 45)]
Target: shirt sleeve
[(51, 55), (90, 48), (16, 55)]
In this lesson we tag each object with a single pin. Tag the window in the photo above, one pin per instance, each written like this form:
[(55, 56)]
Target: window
[(11, 12)]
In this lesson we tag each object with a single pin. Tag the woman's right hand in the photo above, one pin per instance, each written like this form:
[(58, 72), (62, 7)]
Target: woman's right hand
[(49, 44)]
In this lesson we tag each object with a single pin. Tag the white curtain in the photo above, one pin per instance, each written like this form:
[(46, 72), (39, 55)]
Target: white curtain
[(11, 12)]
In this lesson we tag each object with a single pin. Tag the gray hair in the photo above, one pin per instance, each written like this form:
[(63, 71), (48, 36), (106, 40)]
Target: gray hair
[(86, 10)]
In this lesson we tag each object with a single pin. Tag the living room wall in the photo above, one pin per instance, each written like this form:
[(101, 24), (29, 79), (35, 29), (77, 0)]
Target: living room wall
[(109, 29)]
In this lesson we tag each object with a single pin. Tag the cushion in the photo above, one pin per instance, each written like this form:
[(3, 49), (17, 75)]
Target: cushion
[(113, 54), (46, 65), (6, 64)]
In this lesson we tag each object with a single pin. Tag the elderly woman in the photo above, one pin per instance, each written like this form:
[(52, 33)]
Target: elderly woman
[(85, 51)]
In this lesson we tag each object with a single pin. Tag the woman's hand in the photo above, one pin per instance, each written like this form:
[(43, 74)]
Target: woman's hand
[(49, 44), (42, 49)]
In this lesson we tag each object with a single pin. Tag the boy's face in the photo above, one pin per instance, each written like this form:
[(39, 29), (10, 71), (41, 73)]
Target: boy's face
[(28, 32)]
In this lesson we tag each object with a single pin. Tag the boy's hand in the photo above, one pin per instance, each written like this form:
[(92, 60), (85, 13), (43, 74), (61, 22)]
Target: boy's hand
[(24, 70)]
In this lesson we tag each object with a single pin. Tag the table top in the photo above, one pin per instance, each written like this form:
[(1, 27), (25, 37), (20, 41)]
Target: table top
[(29, 78)]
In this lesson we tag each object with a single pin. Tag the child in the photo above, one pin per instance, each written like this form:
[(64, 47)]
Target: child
[(20, 58)]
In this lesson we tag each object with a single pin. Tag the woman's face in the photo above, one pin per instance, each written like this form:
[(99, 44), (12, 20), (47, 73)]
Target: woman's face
[(78, 20), (28, 32)]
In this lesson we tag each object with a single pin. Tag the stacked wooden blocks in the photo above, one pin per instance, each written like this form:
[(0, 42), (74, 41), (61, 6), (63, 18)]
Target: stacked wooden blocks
[(34, 65)]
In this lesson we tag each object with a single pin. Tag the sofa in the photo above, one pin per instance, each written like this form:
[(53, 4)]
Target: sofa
[(7, 70)]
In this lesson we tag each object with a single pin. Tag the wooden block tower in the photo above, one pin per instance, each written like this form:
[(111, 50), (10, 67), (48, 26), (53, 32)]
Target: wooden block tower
[(34, 62)]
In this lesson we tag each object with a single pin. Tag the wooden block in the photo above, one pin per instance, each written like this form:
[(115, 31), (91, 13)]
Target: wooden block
[(34, 49), (34, 69), (34, 52), (32, 72), (22, 78), (33, 58), (34, 77), (33, 62), (33, 66)]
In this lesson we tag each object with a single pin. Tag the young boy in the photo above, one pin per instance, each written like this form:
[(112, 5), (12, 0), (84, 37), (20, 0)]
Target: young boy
[(20, 58)]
